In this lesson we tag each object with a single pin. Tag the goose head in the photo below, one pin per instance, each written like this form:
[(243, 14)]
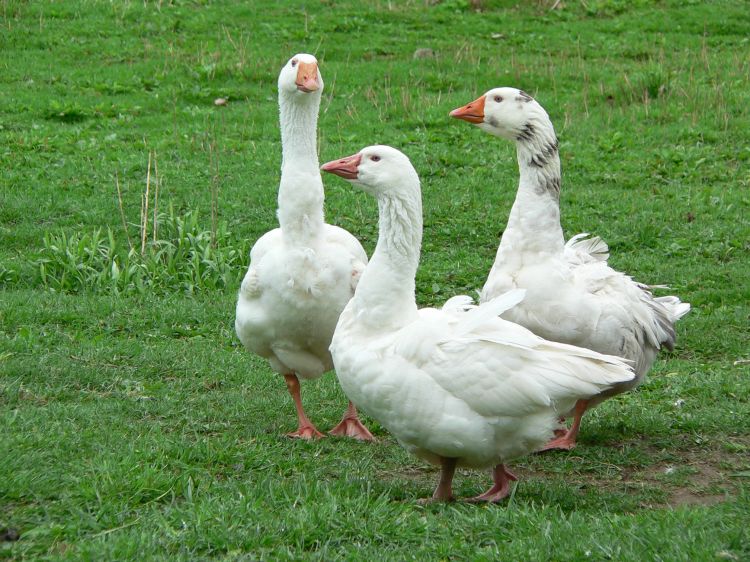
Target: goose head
[(300, 75), (509, 113), (379, 170)]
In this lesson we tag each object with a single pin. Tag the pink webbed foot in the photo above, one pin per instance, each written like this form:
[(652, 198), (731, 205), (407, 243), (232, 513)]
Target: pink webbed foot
[(564, 442), (567, 440), (308, 432), (501, 488), (350, 426)]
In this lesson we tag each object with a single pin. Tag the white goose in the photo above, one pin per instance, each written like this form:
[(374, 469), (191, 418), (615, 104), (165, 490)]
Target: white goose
[(572, 295), (302, 274), (457, 386)]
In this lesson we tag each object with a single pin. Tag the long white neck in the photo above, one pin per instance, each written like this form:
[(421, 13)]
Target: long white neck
[(385, 295), (534, 222), (301, 188)]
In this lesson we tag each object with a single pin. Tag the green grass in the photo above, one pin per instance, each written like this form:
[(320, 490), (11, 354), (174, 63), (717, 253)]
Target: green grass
[(134, 426)]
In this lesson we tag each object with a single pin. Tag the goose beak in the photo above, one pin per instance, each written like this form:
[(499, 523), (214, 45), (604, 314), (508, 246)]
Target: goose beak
[(347, 167), (472, 112), (307, 77)]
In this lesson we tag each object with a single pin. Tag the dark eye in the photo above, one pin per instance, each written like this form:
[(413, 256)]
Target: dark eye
[(375, 158), (498, 99), (294, 63)]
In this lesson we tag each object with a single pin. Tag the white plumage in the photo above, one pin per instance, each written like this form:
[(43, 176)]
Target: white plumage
[(573, 296), (457, 386), (303, 273)]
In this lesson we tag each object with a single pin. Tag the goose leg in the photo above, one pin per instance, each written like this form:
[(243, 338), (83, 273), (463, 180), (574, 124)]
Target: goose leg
[(350, 426), (306, 429), (568, 440), (444, 490), (501, 488)]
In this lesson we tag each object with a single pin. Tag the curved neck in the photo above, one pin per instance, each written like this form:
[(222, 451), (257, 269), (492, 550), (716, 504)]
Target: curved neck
[(301, 196), (385, 295), (534, 222), (298, 116)]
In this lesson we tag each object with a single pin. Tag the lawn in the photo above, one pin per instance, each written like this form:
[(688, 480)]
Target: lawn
[(133, 423)]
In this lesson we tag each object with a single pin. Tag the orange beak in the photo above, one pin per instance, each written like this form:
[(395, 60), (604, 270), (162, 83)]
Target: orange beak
[(347, 167), (307, 77), (472, 112)]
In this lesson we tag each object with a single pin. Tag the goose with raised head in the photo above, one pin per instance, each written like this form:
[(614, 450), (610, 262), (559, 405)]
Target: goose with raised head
[(303, 273), (572, 295), (457, 386)]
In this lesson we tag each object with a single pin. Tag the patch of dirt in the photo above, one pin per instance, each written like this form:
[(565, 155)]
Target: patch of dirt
[(685, 497), (692, 483)]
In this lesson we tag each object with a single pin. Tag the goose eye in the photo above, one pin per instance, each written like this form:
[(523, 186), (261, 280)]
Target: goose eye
[(294, 63), (375, 158), (498, 99)]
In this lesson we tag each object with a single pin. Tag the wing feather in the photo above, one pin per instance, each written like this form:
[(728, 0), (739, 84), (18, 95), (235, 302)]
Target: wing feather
[(581, 249), (499, 368)]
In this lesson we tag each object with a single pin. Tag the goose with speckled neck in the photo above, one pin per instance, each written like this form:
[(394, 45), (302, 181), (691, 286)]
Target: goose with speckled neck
[(573, 296)]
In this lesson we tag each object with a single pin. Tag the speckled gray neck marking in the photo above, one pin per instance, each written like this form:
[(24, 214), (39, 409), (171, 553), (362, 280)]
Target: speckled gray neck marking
[(523, 97), (540, 159), (527, 133), (549, 185)]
